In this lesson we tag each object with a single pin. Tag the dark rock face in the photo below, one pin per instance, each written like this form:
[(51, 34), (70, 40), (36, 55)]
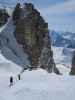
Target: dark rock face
[(31, 31), (73, 65), (3, 16)]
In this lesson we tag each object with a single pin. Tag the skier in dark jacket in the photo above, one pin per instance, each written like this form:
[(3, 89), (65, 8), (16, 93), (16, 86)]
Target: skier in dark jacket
[(11, 81)]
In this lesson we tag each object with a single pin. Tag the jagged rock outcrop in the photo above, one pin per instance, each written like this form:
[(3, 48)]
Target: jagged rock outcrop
[(72, 72), (31, 31), (3, 16)]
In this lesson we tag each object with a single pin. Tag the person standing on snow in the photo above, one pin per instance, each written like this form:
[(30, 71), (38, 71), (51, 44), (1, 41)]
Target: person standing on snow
[(19, 77), (11, 81)]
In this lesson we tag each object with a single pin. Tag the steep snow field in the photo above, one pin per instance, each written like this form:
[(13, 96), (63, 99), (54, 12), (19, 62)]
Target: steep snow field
[(9, 46)]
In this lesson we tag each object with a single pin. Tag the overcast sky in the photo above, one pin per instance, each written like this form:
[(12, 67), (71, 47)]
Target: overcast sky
[(60, 14)]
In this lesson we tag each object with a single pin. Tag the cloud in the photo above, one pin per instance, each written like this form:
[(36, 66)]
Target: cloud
[(64, 7), (61, 17)]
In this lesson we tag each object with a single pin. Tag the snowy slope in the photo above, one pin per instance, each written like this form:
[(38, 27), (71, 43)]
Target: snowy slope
[(7, 66), (64, 70), (10, 49), (63, 55), (40, 85)]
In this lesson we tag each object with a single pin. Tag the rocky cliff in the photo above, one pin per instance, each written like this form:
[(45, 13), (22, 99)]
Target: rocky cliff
[(72, 72), (31, 31), (3, 16)]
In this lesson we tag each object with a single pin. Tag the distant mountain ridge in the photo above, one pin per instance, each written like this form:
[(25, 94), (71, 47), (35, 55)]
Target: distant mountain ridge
[(63, 39)]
